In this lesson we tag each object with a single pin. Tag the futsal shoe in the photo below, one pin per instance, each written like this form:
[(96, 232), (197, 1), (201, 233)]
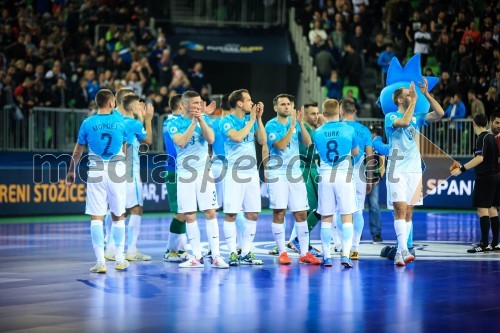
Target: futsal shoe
[(377, 239), (121, 265), (407, 257), (488, 248), (137, 256), (218, 262), (308, 258), (412, 251), (315, 252), (392, 253), (327, 262), (234, 259), (385, 251), (109, 255), (496, 248), (192, 262), (274, 251), (208, 254), (346, 262), (284, 259), (294, 246), (100, 267), (171, 256), (479, 248), (250, 259), (354, 255), (398, 260)]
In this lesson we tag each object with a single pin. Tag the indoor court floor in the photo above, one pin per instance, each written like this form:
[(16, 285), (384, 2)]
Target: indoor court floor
[(45, 284)]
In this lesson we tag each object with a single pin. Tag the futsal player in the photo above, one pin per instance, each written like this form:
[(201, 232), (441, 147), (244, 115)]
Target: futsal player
[(336, 145), (404, 171), (364, 139), (191, 135), (240, 129), (486, 194), (285, 182), (176, 247), (105, 135)]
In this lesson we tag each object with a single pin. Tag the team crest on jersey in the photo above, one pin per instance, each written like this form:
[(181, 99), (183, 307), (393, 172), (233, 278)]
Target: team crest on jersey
[(173, 130), (414, 119), (272, 136), (227, 126)]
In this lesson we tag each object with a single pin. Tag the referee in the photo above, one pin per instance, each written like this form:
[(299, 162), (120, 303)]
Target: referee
[(486, 196)]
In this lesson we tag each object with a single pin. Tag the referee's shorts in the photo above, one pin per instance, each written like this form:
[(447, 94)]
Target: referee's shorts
[(486, 192)]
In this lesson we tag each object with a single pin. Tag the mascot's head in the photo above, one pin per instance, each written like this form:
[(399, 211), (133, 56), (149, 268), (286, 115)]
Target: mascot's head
[(399, 77)]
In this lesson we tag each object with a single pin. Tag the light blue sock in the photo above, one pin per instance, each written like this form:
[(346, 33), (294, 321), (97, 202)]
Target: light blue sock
[(240, 228), (107, 224), (347, 232), (409, 228), (359, 223), (97, 234)]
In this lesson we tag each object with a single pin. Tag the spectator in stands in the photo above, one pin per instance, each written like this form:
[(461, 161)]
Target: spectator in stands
[(460, 86), (81, 95), (443, 52), (60, 94), (334, 86), (196, 77), (423, 43), (495, 82), (164, 68), (384, 60), (338, 35), (180, 83), (491, 101), (182, 59), (456, 110), (442, 89), (359, 43), (317, 31), (24, 96), (136, 80), (325, 64), (160, 101), (92, 83), (476, 106), (351, 69), (473, 33)]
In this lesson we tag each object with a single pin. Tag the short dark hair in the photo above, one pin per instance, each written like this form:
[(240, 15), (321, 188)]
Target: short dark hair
[(236, 96), (224, 103), (347, 104), (122, 92), (311, 104), (291, 98), (174, 102), (102, 97), (480, 120), (494, 116), (397, 93), (275, 100), (128, 100), (188, 95)]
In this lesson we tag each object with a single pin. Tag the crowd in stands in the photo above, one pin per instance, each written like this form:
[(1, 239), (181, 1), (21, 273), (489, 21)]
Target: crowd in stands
[(458, 41), (48, 55)]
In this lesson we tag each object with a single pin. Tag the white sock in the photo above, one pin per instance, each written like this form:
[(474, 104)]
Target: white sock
[(181, 242), (336, 232), (303, 235), (278, 230), (400, 227), (359, 223), (248, 236), (326, 236), (118, 233), (134, 227), (193, 234), (173, 241), (97, 234), (293, 234), (230, 234), (108, 221), (347, 230), (213, 236), (240, 229)]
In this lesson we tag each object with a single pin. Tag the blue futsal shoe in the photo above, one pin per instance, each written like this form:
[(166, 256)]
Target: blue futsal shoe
[(327, 262), (346, 262)]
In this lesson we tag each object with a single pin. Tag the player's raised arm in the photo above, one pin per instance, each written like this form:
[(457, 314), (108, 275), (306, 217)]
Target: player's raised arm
[(285, 140), (406, 100), (238, 136), (438, 111), (148, 112), (306, 138), (206, 131), (261, 131), (183, 139)]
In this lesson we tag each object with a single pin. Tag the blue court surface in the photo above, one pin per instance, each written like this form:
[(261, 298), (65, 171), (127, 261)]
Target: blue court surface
[(45, 285)]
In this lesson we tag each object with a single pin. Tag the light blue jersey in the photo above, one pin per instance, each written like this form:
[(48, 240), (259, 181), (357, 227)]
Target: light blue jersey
[(135, 133), (169, 143), (334, 141), (117, 113), (402, 140), (242, 151), (290, 157), (363, 138), (218, 145), (195, 154), (104, 134)]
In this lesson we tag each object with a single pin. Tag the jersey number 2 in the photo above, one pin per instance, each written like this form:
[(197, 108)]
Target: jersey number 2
[(106, 136)]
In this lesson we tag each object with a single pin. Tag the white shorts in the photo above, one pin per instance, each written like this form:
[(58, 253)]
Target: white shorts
[(103, 191), (217, 169), (407, 188), (198, 194), (283, 194), (134, 193), (242, 196), (360, 184), (338, 196)]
